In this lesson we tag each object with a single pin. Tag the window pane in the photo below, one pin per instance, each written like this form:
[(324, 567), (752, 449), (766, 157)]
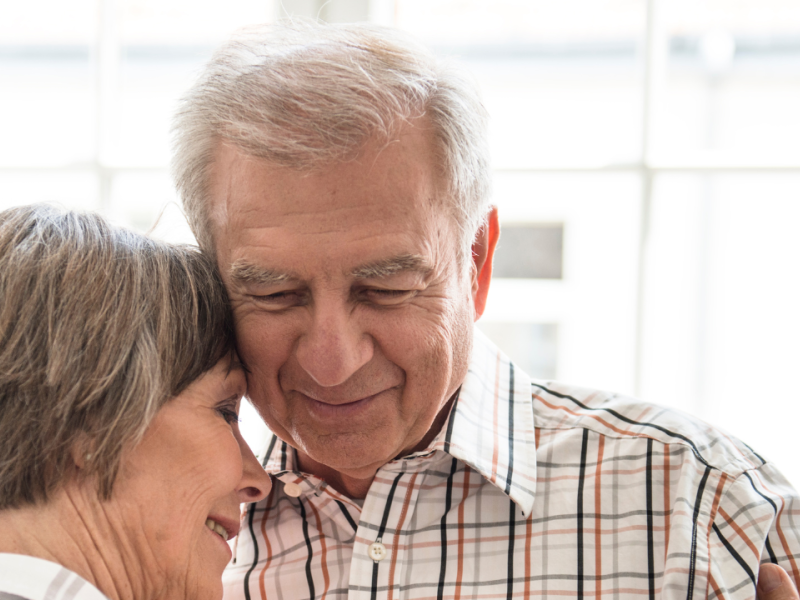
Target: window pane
[(47, 95), (530, 251), (559, 89), (593, 305), (188, 22), (722, 322), (77, 190), (164, 44), (48, 22), (532, 346), (733, 79)]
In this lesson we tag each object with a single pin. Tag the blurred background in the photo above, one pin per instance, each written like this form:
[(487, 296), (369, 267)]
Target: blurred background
[(646, 156)]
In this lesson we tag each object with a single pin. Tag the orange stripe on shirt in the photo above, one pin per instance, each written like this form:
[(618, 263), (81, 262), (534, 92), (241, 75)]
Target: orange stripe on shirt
[(598, 562), (779, 530), (740, 532), (323, 550), (591, 416)]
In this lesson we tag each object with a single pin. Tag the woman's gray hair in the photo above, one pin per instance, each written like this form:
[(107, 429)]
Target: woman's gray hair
[(99, 327), (305, 95)]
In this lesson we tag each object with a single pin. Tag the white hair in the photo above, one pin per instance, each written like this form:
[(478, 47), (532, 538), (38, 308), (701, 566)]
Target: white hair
[(306, 95)]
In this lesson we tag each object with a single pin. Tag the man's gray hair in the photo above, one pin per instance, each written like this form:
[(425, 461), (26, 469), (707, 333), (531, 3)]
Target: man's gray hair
[(99, 327), (305, 95)]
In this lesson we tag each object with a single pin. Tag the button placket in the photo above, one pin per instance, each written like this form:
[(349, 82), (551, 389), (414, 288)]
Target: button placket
[(383, 516)]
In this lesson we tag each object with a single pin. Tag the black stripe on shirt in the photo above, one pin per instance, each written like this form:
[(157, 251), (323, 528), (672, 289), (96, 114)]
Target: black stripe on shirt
[(627, 420), (512, 530), (756, 454), (448, 502), (284, 447), (510, 426), (651, 574), (347, 516), (310, 549), (381, 530), (250, 516), (733, 553), (773, 559), (270, 448), (581, 481), (693, 552)]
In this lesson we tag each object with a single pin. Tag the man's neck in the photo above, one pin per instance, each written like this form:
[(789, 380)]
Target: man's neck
[(351, 486)]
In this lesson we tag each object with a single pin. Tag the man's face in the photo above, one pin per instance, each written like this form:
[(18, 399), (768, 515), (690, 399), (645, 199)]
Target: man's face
[(352, 312)]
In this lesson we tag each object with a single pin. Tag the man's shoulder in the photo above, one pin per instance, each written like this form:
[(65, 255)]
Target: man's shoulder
[(562, 407)]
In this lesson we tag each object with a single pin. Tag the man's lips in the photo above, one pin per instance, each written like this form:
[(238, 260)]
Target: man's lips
[(338, 408), (332, 398)]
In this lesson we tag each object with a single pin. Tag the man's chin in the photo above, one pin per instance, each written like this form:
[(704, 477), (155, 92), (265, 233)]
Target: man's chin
[(340, 455)]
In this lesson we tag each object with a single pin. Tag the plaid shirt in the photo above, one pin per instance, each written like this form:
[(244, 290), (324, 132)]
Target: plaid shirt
[(29, 578), (531, 489)]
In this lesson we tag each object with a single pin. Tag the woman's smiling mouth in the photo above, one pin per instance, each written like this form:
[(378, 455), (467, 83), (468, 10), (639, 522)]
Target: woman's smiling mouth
[(219, 529)]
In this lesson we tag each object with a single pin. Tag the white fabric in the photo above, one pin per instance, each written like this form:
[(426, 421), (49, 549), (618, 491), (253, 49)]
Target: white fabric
[(36, 579)]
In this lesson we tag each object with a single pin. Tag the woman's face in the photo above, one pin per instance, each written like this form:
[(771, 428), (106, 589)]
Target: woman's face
[(177, 497)]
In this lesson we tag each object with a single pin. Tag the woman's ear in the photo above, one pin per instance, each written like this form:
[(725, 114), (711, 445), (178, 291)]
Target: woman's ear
[(82, 452)]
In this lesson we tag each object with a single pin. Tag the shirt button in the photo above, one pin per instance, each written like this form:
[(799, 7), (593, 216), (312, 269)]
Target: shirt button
[(377, 551), (292, 489)]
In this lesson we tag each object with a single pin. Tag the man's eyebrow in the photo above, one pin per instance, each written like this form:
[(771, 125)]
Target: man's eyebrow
[(392, 266), (242, 272)]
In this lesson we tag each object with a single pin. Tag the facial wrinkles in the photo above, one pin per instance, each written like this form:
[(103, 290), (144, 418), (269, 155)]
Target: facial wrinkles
[(151, 540), (148, 552), (139, 558)]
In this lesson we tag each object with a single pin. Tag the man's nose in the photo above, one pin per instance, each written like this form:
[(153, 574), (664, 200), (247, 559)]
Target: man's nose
[(334, 347)]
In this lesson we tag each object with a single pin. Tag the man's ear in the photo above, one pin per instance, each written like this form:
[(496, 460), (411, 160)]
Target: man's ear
[(482, 256)]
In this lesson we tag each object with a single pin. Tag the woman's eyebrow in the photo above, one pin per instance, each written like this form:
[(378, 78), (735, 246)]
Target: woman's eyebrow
[(392, 266)]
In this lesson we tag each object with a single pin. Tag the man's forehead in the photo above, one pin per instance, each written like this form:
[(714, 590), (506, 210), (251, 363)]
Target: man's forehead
[(237, 176), (367, 214)]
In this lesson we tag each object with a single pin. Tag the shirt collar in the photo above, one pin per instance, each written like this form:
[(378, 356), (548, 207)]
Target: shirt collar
[(490, 427), (39, 579)]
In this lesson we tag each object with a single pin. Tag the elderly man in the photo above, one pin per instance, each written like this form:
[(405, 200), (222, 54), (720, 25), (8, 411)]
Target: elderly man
[(340, 176)]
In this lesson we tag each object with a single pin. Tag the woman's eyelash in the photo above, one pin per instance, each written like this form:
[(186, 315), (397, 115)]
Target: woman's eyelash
[(229, 414)]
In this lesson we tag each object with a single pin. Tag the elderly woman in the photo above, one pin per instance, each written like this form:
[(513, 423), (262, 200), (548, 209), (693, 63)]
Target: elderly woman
[(122, 468)]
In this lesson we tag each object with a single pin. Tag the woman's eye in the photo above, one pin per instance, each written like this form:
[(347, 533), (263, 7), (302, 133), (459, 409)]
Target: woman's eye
[(229, 414)]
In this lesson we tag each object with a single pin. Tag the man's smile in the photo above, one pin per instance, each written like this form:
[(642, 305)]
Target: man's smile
[(343, 408)]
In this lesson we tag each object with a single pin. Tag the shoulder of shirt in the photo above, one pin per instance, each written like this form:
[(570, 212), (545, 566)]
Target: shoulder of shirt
[(558, 406)]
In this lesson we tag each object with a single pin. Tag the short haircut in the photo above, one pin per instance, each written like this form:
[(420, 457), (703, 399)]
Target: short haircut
[(306, 95), (99, 327)]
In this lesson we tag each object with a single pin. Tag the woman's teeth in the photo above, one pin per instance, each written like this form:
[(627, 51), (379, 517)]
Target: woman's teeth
[(217, 528)]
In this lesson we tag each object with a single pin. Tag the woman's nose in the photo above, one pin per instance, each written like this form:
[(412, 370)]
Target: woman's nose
[(255, 483)]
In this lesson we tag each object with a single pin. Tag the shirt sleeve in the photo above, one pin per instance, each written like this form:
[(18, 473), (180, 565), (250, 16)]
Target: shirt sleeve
[(756, 521)]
